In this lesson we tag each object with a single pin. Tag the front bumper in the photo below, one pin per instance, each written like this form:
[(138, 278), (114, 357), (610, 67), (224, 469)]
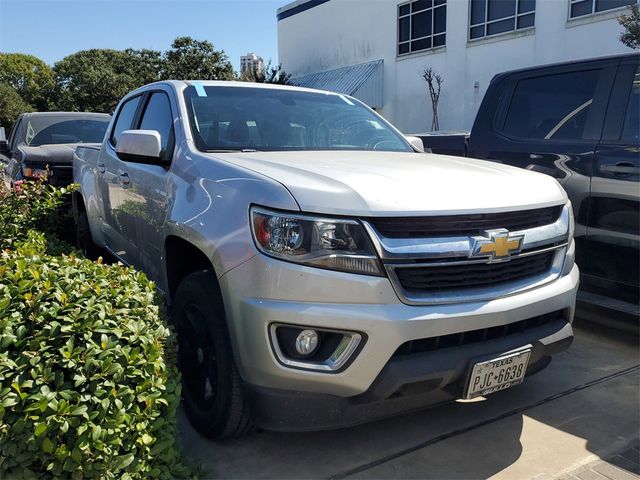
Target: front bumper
[(403, 385), (279, 292)]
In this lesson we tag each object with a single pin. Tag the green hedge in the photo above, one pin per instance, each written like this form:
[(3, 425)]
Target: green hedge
[(88, 382), (33, 206), (85, 388)]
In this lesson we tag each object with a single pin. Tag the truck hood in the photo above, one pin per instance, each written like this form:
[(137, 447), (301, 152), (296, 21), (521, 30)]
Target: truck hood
[(52, 155), (390, 183)]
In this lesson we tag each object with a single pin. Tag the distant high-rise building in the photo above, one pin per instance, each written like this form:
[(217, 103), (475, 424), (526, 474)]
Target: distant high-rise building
[(251, 63)]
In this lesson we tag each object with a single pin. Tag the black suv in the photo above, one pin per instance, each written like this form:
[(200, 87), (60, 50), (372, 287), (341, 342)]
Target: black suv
[(578, 122)]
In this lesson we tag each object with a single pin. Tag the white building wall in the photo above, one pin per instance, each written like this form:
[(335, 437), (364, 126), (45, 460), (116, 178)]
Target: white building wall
[(340, 33)]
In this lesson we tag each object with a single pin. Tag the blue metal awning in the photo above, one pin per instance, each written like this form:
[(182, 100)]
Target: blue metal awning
[(363, 81)]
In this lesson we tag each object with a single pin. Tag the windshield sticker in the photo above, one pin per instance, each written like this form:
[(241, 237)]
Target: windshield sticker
[(200, 89), (347, 101)]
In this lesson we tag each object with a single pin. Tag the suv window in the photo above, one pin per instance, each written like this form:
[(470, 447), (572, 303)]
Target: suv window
[(157, 116), (631, 127), (552, 107), (125, 119)]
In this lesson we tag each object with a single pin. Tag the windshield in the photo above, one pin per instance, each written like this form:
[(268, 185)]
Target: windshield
[(237, 118), (48, 130)]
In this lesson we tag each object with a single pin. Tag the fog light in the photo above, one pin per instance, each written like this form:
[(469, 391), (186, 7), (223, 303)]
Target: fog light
[(319, 349), (306, 342)]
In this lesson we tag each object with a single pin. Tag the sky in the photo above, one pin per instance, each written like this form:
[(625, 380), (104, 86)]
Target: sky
[(52, 29)]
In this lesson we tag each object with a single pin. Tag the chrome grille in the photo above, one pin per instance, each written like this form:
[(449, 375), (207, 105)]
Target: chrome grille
[(429, 268)]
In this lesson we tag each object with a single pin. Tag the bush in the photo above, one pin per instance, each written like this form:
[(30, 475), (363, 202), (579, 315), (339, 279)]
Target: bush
[(85, 388), (88, 380), (33, 205)]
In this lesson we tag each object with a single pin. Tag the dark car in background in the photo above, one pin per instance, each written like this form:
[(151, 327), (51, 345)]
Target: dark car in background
[(43, 143), (578, 122)]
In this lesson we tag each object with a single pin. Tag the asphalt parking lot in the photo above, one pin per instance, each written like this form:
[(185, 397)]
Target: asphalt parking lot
[(557, 424)]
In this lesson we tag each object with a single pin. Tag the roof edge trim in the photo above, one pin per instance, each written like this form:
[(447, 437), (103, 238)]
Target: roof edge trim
[(297, 7)]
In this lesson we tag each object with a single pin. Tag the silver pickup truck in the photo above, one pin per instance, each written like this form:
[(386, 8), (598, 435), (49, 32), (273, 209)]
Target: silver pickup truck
[(321, 270)]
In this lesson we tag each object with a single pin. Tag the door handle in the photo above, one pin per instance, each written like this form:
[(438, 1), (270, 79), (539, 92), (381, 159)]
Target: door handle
[(621, 168), (124, 178), (101, 168)]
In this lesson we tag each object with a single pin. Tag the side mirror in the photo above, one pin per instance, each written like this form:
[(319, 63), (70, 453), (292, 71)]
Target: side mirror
[(416, 143), (142, 146), (4, 146)]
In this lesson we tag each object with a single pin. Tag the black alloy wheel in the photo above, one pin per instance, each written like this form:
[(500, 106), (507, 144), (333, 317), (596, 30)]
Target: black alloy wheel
[(212, 390)]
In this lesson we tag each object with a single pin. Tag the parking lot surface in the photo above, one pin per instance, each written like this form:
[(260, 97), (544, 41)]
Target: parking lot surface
[(557, 424)]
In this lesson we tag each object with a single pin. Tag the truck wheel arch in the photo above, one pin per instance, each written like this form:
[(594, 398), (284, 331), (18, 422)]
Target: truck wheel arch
[(181, 259), (77, 204)]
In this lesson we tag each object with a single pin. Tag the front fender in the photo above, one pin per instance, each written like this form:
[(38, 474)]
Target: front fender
[(210, 210)]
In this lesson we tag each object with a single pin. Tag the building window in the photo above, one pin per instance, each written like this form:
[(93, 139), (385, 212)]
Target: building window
[(491, 17), (421, 25), (579, 8)]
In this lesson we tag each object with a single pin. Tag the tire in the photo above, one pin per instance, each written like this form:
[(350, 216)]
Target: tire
[(212, 390), (84, 240)]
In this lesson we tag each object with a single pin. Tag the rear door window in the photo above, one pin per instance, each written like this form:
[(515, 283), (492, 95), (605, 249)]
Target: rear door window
[(631, 125), (552, 107)]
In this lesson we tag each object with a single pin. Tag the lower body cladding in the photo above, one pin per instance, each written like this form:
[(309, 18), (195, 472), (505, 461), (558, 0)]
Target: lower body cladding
[(398, 357)]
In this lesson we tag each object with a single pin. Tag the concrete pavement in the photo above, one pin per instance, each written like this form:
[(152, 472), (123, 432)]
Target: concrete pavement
[(623, 466), (582, 408)]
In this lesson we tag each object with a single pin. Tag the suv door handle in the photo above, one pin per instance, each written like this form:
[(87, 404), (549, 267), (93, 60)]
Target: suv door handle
[(101, 168), (621, 168), (124, 178)]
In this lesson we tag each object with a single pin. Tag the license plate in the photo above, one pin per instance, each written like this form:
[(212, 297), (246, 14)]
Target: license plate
[(497, 374)]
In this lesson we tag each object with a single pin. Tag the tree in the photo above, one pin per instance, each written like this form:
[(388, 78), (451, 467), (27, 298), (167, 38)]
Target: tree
[(95, 80), (434, 81), (147, 65), (32, 79), (190, 59), (631, 23), (11, 105), (270, 74)]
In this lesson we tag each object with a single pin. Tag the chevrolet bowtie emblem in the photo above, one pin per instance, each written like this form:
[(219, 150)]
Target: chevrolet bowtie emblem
[(496, 245)]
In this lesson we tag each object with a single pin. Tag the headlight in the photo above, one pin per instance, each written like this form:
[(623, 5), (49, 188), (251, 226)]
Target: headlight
[(32, 172), (335, 244)]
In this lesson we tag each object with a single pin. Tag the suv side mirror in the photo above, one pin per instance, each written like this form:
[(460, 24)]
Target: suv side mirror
[(142, 146), (416, 143), (4, 146)]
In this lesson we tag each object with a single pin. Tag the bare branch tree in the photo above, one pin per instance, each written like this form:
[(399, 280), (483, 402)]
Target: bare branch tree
[(434, 81)]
